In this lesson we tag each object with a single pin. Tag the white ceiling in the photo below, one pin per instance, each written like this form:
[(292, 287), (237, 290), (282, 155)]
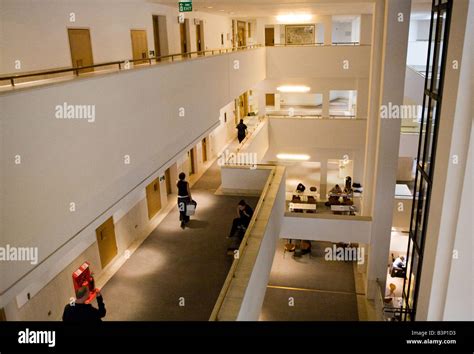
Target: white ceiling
[(265, 8)]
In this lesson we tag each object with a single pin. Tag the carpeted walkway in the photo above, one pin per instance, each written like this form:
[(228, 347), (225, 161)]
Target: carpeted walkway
[(321, 290), (177, 274)]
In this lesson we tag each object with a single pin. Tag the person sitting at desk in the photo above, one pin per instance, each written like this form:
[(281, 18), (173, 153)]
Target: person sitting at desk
[(334, 194), (398, 267), (346, 200), (300, 188)]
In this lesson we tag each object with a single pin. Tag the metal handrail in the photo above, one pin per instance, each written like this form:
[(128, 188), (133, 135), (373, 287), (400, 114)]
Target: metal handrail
[(315, 116), (243, 244), (315, 44), (77, 70)]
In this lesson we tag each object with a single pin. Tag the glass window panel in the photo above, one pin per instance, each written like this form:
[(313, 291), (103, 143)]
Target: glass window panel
[(408, 263), (416, 194), (423, 130), (421, 213), (413, 274), (439, 55), (430, 137), (432, 46)]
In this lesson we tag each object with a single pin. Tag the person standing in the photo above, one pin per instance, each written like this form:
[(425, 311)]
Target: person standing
[(79, 311), (241, 131), (184, 198)]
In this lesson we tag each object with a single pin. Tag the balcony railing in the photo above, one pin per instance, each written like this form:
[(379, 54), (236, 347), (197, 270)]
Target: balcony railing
[(119, 65), (316, 44)]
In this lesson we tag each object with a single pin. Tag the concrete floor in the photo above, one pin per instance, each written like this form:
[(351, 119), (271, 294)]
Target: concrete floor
[(177, 274), (321, 290)]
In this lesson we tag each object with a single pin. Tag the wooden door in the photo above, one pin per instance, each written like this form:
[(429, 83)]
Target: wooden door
[(192, 167), (246, 104), (139, 46), (81, 48), (156, 36), (200, 37), (106, 241), (270, 99), (269, 36), (184, 42), (204, 150), (153, 198), (169, 190)]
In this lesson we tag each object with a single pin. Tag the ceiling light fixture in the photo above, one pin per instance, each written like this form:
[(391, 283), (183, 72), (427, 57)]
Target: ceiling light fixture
[(294, 18), (296, 157), (210, 7), (290, 88)]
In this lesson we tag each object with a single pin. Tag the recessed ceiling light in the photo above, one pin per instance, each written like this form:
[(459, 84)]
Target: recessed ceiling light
[(297, 157), (289, 88), (210, 7), (221, 10)]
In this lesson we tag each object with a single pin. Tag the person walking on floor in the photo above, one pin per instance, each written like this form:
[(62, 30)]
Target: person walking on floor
[(241, 131), (184, 198)]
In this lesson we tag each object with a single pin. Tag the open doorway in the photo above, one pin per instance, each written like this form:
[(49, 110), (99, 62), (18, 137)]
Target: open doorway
[(200, 37), (184, 36), (160, 35), (269, 36)]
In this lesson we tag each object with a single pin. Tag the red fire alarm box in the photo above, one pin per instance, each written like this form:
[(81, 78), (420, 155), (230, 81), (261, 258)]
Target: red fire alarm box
[(83, 277)]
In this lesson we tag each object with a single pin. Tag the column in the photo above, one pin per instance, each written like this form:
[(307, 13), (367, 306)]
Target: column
[(326, 104), (388, 136), (327, 22), (373, 105), (365, 30), (277, 101), (362, 98), (323, 179)]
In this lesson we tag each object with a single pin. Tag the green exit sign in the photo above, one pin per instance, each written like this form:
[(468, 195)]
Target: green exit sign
[(185, 6)]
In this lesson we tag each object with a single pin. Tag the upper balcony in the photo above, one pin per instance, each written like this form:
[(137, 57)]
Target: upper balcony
[(318, 61)]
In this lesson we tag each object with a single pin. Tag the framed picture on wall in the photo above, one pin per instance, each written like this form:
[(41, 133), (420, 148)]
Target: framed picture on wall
[(300, 34)]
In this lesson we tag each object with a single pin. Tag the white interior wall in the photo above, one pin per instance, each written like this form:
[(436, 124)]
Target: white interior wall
[(255, 293), (305, 99), (40, 27), (84, 163), (321, 62), (346, 229)]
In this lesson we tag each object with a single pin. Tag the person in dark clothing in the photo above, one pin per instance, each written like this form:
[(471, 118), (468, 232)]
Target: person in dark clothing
[(245, 212), (184, 198), (300, 188), (241, 131), (79, 311)]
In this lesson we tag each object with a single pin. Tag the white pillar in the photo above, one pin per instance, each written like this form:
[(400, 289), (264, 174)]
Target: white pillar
[(327, 22), (396, 26), (277, 102), (365, 30), (373, 105), (326, 103), (323, 179)]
